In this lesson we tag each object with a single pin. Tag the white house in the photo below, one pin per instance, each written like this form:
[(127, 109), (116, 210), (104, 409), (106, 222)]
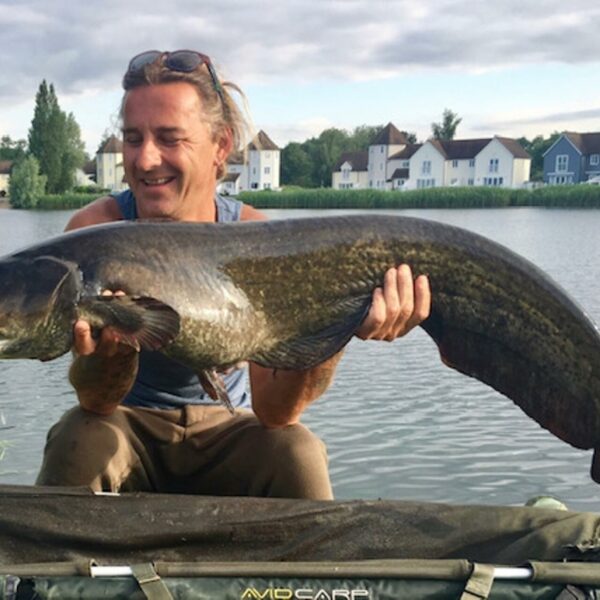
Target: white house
[(388, 142), (259, 169), (399, 166), (504, 163), (494, 161), (351, 171), (109, 165), (5, 167)]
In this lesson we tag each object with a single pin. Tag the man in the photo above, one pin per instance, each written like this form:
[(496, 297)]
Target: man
[(158, 431)]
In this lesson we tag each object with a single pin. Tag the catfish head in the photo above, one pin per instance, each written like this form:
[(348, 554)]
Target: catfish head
[(38, 298)]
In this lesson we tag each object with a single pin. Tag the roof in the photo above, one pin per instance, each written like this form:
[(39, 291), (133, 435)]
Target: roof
[(113, 145), (400, 174), (5, 167), (236, 158), (406, 152), (462, 149), (359, 161), (89, 168), (514, 147), (230, 178), (262, 142), (586, 143), (388, 136)]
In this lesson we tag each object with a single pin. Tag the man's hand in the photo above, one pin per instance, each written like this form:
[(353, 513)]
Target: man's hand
[(400, 306), (107, 344)]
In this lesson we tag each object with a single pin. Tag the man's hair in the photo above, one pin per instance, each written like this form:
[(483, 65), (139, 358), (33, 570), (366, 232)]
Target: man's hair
[(221, 110)]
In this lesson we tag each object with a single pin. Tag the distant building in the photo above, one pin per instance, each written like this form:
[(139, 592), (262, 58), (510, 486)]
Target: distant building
[(87, 174), (5, 169), (109, 165), (351, 171), (573, 158), (258, 168), (393, 163), (388, 142)]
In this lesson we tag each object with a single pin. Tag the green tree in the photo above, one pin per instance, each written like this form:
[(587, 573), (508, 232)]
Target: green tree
[(12, 150), (536, 148), (296, 166), (54, 139), (446, 130), (26, 184)]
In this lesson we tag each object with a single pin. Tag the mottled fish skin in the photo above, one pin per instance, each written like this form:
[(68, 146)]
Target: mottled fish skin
[(288, 294)]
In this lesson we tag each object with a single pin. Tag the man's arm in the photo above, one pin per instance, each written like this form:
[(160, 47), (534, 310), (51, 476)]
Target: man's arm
[(103, 370), (280, 397)]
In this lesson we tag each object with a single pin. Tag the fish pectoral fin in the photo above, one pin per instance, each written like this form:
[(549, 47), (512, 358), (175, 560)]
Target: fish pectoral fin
[(214, 386), (141, 322), (307, 351)]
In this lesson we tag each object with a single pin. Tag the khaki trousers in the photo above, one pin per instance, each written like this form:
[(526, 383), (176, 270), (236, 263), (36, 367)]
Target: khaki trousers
[(194, 450)]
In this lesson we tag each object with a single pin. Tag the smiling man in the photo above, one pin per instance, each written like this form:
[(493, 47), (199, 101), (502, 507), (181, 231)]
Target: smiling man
[(157, 429)]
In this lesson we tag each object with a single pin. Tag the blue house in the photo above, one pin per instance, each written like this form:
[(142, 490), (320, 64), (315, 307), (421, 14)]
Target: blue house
[(573, 158)]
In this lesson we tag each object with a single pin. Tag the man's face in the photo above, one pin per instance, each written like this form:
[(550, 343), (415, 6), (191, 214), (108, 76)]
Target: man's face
[(169, 154)]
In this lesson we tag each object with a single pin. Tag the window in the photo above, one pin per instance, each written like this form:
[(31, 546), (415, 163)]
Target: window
[(266, 186), (405, 164), (562, 162), (454, 164), (471, 181), (381, 149), (472, 162), (253, 170), (345, 173), (494, 165), (267, 170), (426, 169), (254, 186), (595, 159)]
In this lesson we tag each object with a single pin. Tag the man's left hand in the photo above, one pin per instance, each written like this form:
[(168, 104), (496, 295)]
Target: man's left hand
[(398, 307)]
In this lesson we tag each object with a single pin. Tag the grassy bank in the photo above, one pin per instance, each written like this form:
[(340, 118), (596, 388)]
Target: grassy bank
[(573, 196), (464, 197)]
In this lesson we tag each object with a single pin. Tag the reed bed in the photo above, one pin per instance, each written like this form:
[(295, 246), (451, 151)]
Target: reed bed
[(565, 196)]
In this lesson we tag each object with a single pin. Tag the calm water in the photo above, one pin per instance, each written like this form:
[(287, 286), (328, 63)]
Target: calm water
[(398, 423)]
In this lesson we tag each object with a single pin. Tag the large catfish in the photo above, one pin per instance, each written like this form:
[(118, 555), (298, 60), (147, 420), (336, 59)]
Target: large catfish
[(289, 294)]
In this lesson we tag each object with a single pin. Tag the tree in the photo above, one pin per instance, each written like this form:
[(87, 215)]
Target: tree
[(26, 185), (54, 139), (536, 148), (446, 130), (296, 166), (12, 150)]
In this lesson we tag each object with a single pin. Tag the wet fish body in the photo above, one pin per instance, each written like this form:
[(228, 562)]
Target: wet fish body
[(289, 294)]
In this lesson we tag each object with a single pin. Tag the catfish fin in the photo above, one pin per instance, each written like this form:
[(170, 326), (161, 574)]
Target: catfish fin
[(141, 322), (307, 351), (214, 386)]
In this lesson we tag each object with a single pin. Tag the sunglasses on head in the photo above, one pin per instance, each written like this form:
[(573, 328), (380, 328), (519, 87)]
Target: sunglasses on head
[(182, 61)]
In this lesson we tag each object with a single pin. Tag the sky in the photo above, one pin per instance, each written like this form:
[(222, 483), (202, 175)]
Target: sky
[(508, 67)]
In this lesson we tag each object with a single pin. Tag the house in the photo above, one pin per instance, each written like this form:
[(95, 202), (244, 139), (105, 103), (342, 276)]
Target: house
[(388, 142), (86, 176), (399, 166), (502, 162), (351, 171), (573, 158), (496, 161), (109, 165), (258, 168), (5, 168)]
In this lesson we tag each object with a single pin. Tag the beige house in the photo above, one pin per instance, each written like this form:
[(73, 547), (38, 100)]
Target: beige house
[(109, 165), (351, 172)]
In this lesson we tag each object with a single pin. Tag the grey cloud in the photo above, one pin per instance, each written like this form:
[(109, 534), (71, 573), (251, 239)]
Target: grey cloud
[(80, 46)]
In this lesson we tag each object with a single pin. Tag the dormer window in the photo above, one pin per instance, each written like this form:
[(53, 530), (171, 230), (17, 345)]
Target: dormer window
[(595, 159)]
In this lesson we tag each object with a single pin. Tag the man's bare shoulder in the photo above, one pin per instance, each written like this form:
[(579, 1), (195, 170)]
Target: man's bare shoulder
[(102, 210)]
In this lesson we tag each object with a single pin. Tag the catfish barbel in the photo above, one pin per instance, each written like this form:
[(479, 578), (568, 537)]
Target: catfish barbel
[(289, 294)]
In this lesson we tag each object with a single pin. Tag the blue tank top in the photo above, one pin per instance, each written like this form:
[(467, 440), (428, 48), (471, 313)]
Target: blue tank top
[(162, 382)]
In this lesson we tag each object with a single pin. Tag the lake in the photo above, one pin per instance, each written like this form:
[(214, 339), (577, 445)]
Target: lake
[(398, 423)]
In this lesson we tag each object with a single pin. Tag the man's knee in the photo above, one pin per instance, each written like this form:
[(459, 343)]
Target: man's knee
[(81, 447)]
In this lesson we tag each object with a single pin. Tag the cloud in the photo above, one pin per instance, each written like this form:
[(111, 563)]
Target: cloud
[(85, 46)]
